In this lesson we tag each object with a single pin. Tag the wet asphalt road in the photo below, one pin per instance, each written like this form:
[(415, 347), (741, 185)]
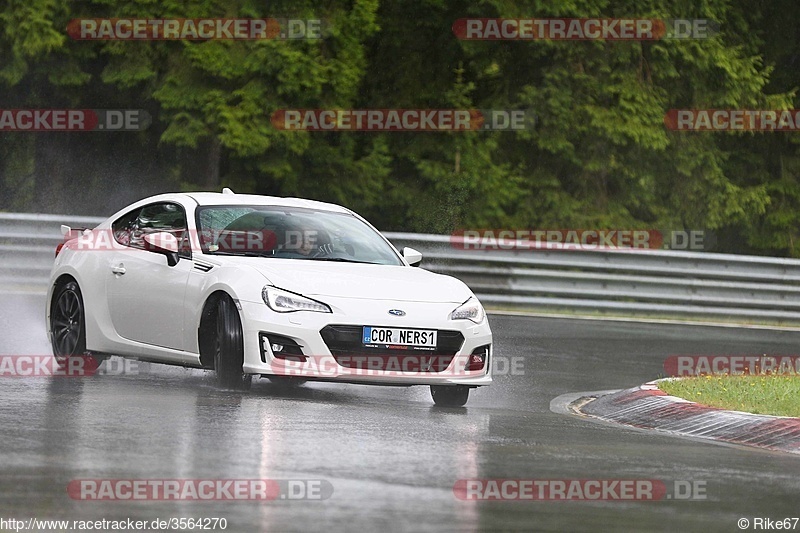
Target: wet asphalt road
[(390, 456)]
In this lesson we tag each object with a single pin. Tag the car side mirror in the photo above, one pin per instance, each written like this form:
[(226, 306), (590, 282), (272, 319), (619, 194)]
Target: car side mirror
[(412, 256), (164, 243)]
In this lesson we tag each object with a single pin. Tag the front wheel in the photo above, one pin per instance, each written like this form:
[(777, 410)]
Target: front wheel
[(450, 395), (229, 348)]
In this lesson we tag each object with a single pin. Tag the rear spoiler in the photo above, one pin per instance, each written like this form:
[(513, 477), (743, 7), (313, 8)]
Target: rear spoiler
[(70, 234), (67, 232)]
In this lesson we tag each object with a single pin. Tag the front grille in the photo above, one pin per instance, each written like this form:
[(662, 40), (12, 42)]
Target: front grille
[(344, 343)]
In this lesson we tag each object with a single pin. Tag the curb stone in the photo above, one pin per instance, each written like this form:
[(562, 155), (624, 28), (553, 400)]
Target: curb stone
[(648, 407)]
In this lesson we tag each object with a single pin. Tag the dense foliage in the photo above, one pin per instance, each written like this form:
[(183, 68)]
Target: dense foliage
[(599, 156)]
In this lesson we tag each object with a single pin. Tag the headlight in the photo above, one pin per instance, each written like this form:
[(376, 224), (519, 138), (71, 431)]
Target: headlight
[(282, 301), (469, 310)]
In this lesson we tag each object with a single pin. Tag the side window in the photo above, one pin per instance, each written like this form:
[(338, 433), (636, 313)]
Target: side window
[(214, 222), (123, 227), (131, 228)]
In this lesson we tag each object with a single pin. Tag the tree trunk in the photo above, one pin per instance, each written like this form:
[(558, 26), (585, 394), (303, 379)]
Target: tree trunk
[(212, 181)]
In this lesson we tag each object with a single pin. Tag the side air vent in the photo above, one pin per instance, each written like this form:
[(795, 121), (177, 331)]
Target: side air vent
[(202, 267)]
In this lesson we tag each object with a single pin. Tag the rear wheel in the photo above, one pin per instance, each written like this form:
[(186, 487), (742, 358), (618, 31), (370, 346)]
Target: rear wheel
[(229, 348), (67, 322), (450, 395)]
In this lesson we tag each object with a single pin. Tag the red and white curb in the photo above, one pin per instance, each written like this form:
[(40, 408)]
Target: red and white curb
[(648, 407)]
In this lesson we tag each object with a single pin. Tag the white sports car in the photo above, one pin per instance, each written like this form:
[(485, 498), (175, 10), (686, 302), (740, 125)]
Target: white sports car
[(283, 288)]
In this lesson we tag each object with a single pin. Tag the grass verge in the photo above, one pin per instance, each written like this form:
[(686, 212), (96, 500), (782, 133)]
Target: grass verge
[(765, 395)]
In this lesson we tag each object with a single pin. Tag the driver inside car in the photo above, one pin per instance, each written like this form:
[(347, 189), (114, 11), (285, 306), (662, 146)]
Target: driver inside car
[(312, 244)]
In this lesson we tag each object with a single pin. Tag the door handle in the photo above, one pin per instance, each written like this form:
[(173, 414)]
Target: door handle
[(119, 269)]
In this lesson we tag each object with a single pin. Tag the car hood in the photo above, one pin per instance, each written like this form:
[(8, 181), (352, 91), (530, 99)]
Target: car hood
[(353, 280)]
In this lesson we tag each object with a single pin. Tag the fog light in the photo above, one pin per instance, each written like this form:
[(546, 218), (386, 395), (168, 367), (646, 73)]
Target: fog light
[(281, 347), (475, 362), (477, 359)]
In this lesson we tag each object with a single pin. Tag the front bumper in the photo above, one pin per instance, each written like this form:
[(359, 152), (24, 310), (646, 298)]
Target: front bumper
[(447, 366)]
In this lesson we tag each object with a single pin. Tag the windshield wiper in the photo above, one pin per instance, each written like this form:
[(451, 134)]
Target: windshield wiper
[(340, 260), (269, 254), (239, 254)]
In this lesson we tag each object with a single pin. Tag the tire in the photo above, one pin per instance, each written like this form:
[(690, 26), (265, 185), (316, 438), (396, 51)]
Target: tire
[(68, 322), (450, 395), (229, 348)]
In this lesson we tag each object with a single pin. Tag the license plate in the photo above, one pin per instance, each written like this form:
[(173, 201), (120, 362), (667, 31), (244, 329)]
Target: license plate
[(399, 336)]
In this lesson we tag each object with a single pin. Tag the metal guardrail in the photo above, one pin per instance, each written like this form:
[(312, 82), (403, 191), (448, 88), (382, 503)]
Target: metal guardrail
[(625, 282), (27, 247)]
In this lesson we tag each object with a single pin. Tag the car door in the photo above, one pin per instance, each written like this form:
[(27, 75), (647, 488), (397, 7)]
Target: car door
[(145, 294)]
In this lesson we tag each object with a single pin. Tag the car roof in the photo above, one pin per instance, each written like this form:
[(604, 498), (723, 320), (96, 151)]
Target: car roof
[(215, 198)]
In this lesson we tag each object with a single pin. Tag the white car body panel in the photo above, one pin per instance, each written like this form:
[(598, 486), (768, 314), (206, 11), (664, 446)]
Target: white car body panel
[(153, 311), (155, 314)]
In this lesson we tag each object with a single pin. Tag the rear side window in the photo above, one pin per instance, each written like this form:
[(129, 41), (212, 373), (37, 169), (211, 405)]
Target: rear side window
[(130, 228), (123, 227)]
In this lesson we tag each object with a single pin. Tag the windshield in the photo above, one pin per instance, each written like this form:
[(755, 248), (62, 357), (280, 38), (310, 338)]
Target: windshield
[(291, 233)]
